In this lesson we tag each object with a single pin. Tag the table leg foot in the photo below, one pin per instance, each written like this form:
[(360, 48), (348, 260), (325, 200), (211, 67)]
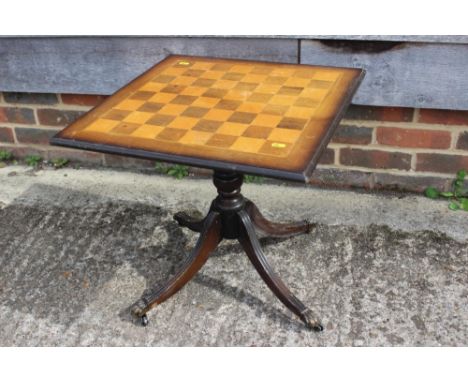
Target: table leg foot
[(251, 245), (144, 320), (207, 242), (311, 322), (138, 309), (192, 219), (275, 229)]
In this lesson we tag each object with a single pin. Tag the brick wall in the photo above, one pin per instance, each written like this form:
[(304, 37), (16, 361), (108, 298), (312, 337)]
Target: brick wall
[(374, 147)]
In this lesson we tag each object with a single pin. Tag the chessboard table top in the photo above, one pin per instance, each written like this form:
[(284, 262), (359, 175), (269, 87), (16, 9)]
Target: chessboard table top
[(259, 118)]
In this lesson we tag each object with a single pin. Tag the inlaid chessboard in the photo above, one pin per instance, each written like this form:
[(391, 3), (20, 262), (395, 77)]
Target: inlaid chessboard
[(254, 117)]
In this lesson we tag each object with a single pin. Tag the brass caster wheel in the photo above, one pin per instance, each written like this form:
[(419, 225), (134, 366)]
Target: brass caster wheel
[(138, 311), (310, 226), (144, 320), (317, 328), (189, 215), (311, 322)]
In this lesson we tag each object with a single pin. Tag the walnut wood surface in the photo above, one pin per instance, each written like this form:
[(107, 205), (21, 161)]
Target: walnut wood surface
[(229, 217), (274, 229), (256, 114), (207, 242)]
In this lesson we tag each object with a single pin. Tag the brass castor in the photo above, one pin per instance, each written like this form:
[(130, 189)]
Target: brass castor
[(144, 320), (311, 322)]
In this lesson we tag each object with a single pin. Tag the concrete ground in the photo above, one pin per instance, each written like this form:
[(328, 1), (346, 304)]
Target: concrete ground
[(78, 247)]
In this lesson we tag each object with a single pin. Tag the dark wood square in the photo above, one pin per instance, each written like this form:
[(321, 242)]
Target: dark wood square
[(207, 125), (160, 120), (195, 111), (242, 117)]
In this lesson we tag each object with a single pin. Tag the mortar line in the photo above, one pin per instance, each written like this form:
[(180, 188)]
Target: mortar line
[(416, 115), (406, 173)]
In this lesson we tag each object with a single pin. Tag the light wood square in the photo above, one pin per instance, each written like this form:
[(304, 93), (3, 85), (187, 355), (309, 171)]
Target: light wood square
[(254, 78), (218, 115), (183, 122), (251, 107), (268, 120), (147, 131), (299, 82), (195, 137), (129, 104), (172, 109), (153, 87), (183, 80), (102, 125), (175, 71), (207, 102), (202, 65), (268, 88), (300, 112), (240, 68), (232, 128), (247, 145), (283, 100), (282, 72), (138, 117), (212, 75), (315, 94), (224, 84), (193, 91), (236, 95), (162, 97), (284, 135), (326, 75)]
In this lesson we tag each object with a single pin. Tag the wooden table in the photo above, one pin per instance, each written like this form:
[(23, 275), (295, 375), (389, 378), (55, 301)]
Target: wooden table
[(234, 117)]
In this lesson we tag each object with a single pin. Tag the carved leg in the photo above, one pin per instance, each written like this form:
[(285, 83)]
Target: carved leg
[(193, 220), (275, 229), (251, 245), (207, 242)]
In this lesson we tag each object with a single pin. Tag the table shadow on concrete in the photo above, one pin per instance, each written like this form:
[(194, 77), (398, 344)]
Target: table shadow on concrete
[(56, 257), (371, 285)]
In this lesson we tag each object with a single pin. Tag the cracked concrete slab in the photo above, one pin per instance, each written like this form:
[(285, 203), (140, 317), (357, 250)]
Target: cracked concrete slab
[(78, 247)]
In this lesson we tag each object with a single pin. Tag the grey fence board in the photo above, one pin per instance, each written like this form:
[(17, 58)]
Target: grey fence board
[(101, 65), (433, 73), (411, 74), (453, 39)]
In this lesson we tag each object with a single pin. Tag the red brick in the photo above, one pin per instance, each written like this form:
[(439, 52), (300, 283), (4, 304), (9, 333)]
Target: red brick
[(17, 115), (394, 136), (396, 114), (380, 181), (31, 98), (343, 178), (443, 163), (6, 135), (418, 184), (352, 135), (54, 117), (34, 135), (83, 99), (444, 117), (200, 172), (327, 157), (462, 142), (19, 151), (122, 161), (80, 156), (375, 113), (375, 159)]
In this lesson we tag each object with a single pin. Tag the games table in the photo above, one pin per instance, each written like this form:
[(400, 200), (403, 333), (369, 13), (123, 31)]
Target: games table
[(234, 117)]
